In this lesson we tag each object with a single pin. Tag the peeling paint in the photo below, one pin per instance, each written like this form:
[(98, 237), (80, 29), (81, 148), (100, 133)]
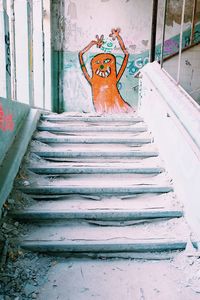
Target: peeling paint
[(72, 10)]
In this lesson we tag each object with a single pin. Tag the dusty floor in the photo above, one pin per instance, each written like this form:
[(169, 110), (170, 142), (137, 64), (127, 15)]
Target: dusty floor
[(32, 276), (25, 275), (122, 279), (28, 275)]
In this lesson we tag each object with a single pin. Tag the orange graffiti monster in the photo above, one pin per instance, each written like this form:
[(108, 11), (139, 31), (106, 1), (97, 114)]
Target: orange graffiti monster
[(106, 96)]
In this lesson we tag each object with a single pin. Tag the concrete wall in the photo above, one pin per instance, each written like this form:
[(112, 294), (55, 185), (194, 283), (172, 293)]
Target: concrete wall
[(190, 71), (12, 115), (76, 22), (174, 119), (17, 124)]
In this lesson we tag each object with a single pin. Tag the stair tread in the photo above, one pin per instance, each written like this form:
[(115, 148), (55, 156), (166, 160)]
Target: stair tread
[(104, 168), (105, 135), (92, 117), (90, 128), (92, 139), (104, 180), (118, 165), (78, 202), (164, 229)]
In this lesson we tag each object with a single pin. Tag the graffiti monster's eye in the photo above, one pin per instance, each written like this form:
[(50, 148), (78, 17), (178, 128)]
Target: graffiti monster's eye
[(97, 62), (106, 61)]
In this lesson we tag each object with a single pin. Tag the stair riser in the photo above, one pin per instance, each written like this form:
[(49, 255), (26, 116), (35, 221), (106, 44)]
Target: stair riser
[(100, 119), (63, 171), (99, 154), (97, 140), (59, 247), (87, 190), (93, 130), (95, 216)]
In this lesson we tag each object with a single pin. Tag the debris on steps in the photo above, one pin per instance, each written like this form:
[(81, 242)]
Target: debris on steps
[(93, 187), (101, 159)]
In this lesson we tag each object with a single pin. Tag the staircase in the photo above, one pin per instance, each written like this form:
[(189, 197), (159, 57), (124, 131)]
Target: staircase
[(99, 189)]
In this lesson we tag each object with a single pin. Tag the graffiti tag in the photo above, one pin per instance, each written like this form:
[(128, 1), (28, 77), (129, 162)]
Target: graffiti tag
[(6, 121), (8, 63), (108, 46)]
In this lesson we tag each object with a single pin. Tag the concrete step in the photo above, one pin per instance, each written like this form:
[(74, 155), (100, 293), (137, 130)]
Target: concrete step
[(105, 192), (88, 189), (79, 238), (123, 118), (85, 248), (94, 168), (79, 202), (52, 138), (107, 153), (90, 128), (114, 215)]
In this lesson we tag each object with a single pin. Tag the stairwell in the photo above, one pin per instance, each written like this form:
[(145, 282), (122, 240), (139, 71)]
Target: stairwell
[(99, 189)]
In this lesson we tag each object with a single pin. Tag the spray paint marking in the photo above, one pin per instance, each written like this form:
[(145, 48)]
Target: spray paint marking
[(8, 63), (6, 121)]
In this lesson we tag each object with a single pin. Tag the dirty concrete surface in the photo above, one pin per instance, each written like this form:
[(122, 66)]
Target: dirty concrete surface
[(26, 275)]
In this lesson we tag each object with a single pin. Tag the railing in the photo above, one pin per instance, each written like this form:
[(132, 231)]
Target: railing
[(185, 67)]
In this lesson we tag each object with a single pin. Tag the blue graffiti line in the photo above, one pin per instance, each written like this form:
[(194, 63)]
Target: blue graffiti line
[(135, 63)]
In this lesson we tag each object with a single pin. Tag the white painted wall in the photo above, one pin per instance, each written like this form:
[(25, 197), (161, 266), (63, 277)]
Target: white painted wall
[(87, 18), (83, 19)]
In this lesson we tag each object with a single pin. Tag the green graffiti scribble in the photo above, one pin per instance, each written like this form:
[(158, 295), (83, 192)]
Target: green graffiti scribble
[(109, 44)]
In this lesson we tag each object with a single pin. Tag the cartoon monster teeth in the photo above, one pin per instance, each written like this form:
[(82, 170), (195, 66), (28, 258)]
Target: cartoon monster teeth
[(104, 80)]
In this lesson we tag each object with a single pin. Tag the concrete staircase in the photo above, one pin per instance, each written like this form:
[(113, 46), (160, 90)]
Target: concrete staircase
[(99, 189)]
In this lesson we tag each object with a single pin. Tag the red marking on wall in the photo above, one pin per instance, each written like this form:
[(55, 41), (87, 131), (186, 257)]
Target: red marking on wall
[(6, 120)]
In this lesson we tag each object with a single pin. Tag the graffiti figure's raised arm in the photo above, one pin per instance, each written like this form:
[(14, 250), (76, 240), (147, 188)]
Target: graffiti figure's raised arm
[(98, 43), (115, 35)]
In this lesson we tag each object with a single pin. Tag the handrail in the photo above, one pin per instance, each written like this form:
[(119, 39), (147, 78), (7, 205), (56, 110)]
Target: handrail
[(177, 52), (171, 55)]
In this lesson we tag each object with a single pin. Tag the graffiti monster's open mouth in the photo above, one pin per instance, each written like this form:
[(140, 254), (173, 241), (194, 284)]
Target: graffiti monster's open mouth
[(103, 74)]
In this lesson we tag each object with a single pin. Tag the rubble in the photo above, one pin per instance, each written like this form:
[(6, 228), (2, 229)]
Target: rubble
[(21, 273)]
